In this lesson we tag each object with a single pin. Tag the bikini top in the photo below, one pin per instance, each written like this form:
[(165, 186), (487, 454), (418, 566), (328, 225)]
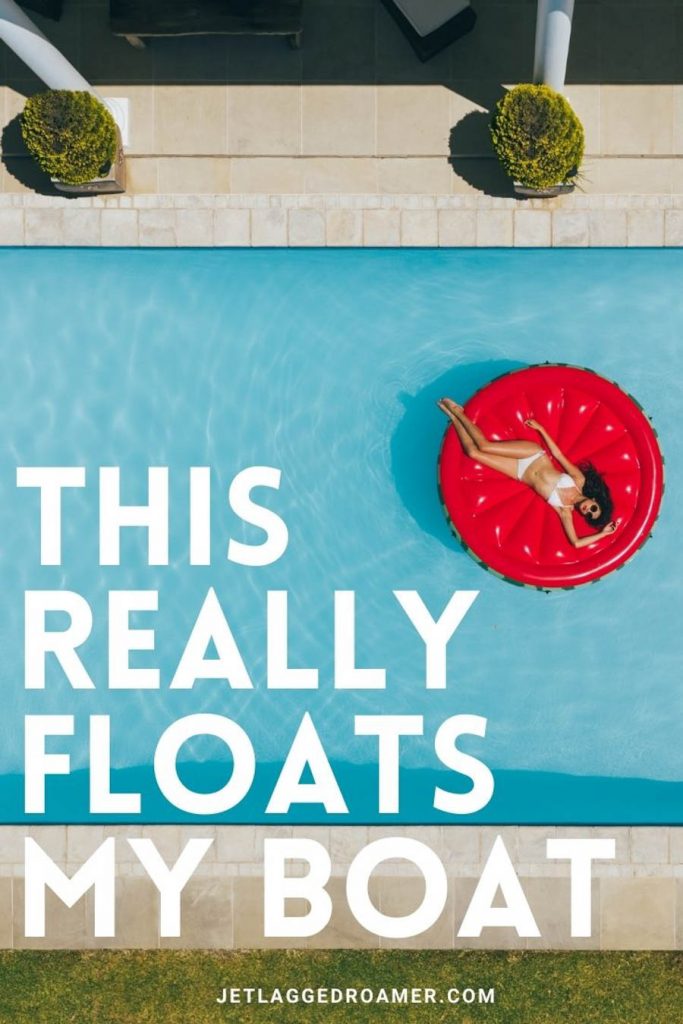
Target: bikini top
[(564, 483)]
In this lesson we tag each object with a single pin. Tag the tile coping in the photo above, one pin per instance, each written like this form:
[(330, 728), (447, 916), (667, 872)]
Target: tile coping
[(637, 898), (338, 220)]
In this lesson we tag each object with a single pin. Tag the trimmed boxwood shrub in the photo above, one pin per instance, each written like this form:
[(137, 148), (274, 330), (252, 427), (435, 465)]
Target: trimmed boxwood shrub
[(537, 136), (72, 135)]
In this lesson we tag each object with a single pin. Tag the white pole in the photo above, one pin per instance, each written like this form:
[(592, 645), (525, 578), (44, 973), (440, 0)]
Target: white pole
[(36, 50), (553, 32)]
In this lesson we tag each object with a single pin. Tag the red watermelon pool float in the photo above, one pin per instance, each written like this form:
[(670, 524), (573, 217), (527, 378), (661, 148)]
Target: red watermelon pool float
[(504, 525)]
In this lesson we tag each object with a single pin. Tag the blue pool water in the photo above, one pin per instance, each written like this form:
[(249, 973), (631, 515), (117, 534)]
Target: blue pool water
[(327, 365)]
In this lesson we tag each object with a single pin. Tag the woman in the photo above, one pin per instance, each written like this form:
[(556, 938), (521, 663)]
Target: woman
[(578, 489)]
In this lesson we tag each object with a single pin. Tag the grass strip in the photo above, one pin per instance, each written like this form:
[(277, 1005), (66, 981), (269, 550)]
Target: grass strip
[(182, 987)]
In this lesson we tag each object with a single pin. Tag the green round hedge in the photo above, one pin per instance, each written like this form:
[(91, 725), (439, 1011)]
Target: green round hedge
[(72, 135), (537, 136)]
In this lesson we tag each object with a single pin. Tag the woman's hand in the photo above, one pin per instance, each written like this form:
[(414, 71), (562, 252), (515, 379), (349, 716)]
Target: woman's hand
[(610, 528), (534, 424)]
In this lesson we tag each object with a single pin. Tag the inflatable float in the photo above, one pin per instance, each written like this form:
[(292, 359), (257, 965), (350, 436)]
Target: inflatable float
[(504, 525)]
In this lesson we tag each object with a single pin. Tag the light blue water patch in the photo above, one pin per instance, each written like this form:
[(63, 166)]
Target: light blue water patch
[(327, 364)]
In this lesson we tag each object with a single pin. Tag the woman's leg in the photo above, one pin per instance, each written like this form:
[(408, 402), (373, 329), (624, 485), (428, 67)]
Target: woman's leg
[(504, 464), (508, 449)]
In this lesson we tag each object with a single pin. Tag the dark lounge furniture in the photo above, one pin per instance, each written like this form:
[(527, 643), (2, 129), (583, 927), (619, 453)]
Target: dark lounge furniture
[(432, 25), (50, 8), (138, 20)]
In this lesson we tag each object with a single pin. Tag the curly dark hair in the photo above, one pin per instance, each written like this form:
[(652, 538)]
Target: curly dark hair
[(596, 488)]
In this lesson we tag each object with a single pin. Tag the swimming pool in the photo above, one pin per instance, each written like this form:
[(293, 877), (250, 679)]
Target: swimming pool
[(327, 365)]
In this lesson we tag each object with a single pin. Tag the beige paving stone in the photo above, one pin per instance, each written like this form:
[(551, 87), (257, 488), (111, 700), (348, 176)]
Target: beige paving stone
[(318, 833), (679, 913), (482, 174), (306, 227), (673, 227), (194, 227), (645, 227), (637, 913), (268, 227), (203, 175), (414, 175), (206, 916), (419, 227), (190, 120), (650, 845), (141, 115), (678, 120), (119, 227), (51, 839), (81, 227), (243, 844), (14, 102), (142, 175), (607, 227), (532, 227), (637, 119), (65, 927), (413, 120), (170, 840), (469, 121), (6, 936), (629, 176), (339, 120), (382, 227), (490, 938), (12, 175), (344, 227), (570, 227), (261, 58), (157, 227), (494, 227), (532, 843), (346, 842), (622, 847), (264, 120), (82, 841), (137, 916), (460, 845), (586, 101), (43, 226), (125, 854), (342, 932), (231, 227), (457, 227), (488, 835), (11, 231), (273, 175), (339, 174), (676, 834), (11, 846), (550, 902), (430, 835), (399, 897)]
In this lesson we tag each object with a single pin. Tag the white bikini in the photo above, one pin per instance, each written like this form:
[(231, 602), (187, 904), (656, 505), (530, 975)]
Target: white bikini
[(523, 464), (564, 482)]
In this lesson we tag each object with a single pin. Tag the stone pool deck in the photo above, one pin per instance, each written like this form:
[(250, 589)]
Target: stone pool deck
[(341, 220), (354, 111), (637, 899)]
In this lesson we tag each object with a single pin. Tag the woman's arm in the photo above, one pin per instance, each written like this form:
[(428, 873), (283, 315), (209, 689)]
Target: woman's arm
[(582, 542), (569, 467)]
